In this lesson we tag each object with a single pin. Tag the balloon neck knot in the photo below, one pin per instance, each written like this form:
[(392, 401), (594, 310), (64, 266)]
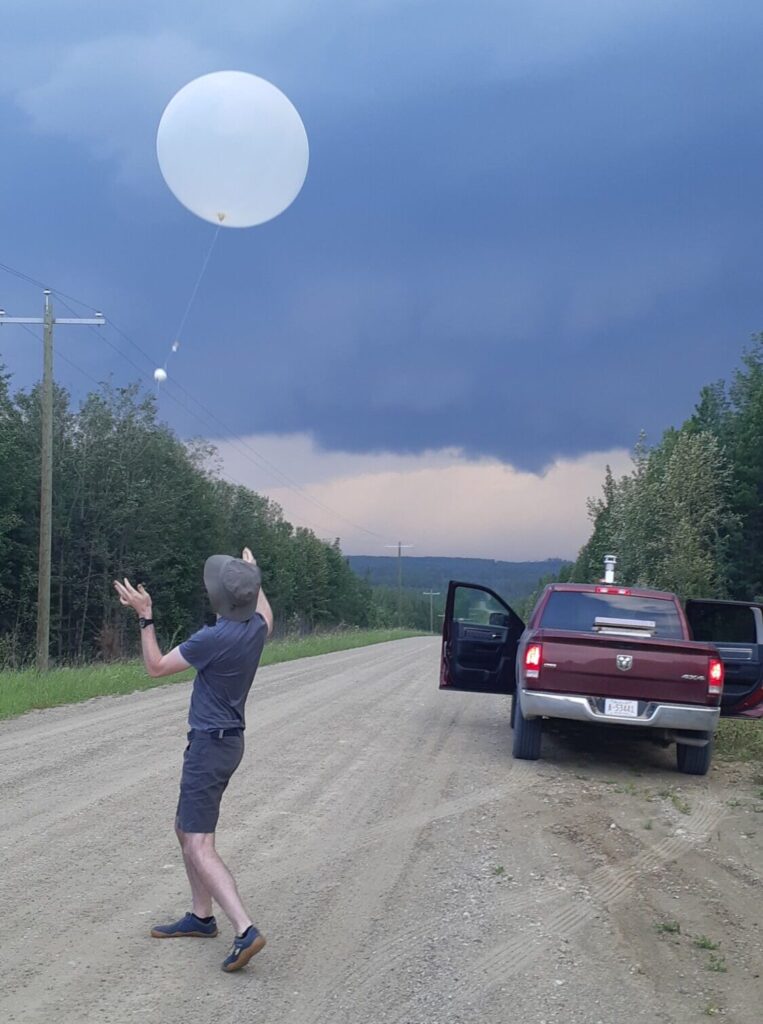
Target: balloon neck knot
[(221, 217)]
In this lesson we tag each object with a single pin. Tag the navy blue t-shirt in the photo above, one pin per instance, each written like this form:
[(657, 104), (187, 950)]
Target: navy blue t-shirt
[(225, 657)]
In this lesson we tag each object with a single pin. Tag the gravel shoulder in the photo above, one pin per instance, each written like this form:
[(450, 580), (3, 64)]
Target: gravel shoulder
[(405, 869)]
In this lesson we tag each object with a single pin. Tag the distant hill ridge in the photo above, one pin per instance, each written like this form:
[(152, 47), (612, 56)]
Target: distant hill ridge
[(509, 579)]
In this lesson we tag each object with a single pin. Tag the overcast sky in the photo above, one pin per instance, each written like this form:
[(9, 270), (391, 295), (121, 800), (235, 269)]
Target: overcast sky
[(529, 230)]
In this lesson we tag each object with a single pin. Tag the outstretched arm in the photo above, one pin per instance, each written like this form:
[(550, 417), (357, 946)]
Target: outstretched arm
[(157, 664), (263, 605)]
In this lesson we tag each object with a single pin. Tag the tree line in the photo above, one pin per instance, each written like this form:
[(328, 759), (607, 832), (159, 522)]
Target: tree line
[(688, 517), (132, 499)]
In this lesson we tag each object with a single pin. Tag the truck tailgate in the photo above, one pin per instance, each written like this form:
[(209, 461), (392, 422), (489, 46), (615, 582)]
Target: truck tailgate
[(606, 666)]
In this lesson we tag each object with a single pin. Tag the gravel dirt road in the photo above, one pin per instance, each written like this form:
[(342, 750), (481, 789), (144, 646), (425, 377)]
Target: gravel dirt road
[(405, 869)]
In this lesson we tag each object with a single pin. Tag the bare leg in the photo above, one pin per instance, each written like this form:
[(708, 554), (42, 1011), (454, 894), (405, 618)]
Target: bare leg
[(214, 876), (201, 897)]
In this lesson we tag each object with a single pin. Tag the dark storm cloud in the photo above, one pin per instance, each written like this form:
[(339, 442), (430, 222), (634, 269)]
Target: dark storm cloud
[(527, 231)]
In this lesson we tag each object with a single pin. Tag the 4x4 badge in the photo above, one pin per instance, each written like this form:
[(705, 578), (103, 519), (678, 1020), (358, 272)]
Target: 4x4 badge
[(625, 662)]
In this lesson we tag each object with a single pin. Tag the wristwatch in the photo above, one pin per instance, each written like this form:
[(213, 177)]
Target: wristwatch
[(145, 622)]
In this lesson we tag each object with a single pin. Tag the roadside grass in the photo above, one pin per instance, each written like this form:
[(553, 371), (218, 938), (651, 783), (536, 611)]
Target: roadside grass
[(28, 690), (738, 740), (703, 942)]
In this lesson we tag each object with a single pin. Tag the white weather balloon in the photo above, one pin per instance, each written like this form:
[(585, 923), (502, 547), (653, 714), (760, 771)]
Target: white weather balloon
[(160, 375), (233, 149)]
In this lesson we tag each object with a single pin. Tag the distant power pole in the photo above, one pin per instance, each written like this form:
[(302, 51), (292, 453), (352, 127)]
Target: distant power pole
[(47, 322), (431, 594), (399, 547)]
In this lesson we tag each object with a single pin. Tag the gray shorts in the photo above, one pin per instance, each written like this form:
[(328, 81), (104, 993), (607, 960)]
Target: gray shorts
[(208, 764)]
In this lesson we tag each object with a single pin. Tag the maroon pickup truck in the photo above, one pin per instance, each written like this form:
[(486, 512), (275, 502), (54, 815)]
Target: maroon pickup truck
[(610, 655)]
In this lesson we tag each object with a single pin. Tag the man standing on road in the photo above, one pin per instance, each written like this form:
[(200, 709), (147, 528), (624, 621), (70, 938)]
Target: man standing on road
[(225, 657)]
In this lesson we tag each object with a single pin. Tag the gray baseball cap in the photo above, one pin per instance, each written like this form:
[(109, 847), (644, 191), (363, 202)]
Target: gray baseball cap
[(233, 586)]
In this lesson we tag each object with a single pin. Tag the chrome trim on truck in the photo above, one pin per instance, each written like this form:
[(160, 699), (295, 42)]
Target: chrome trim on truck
[(583, 709)]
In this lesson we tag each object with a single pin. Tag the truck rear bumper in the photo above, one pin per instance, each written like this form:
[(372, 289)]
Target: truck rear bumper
[(588, 709)]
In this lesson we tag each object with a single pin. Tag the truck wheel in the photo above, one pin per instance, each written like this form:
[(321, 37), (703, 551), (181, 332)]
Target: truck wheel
[(693, 760), (527, 735)]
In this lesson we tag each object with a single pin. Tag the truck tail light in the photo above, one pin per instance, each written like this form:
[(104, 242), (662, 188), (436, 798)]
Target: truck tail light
[(715, 676), (533, 656)]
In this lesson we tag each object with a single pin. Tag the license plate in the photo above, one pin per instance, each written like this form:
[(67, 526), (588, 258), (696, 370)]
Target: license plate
[(621, 708)]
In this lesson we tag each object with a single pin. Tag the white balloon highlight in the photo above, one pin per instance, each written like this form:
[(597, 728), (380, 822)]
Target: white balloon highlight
[(160, 375), (233, 149)]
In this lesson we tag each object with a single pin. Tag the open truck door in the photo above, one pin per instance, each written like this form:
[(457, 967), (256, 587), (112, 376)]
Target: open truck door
[(480, 637), (736, 629)]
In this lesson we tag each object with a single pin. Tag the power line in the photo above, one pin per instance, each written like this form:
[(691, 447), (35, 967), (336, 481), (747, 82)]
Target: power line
[(62, 357), (244, 446), (209, 415), (41, 284), (261, 461), (226, 476), (319, 530)]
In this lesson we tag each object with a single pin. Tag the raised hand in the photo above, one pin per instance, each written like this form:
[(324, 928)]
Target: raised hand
[(139, 600)]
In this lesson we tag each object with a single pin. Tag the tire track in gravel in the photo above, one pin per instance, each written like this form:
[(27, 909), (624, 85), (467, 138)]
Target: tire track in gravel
[(385, 956), (606, 886)]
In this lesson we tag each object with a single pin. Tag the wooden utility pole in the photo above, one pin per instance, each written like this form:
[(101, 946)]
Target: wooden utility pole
[(46, 467), (46, 492), (399, 547), (431, 594)]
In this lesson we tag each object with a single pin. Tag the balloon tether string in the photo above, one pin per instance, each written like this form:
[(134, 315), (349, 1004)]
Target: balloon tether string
[(199, 279)]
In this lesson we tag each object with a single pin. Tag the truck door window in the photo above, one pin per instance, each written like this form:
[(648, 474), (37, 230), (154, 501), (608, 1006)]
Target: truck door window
[(723, 623), (477, 608)]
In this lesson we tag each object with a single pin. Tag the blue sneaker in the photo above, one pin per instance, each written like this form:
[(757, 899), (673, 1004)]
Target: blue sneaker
[(189, 926), (243, 949)]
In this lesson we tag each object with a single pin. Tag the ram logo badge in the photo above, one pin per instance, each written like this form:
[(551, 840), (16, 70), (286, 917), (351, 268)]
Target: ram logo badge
[(625, 662)]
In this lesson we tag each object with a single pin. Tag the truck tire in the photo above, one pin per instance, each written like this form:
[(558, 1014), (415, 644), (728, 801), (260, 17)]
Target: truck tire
[(693, 760), (527, 734)]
